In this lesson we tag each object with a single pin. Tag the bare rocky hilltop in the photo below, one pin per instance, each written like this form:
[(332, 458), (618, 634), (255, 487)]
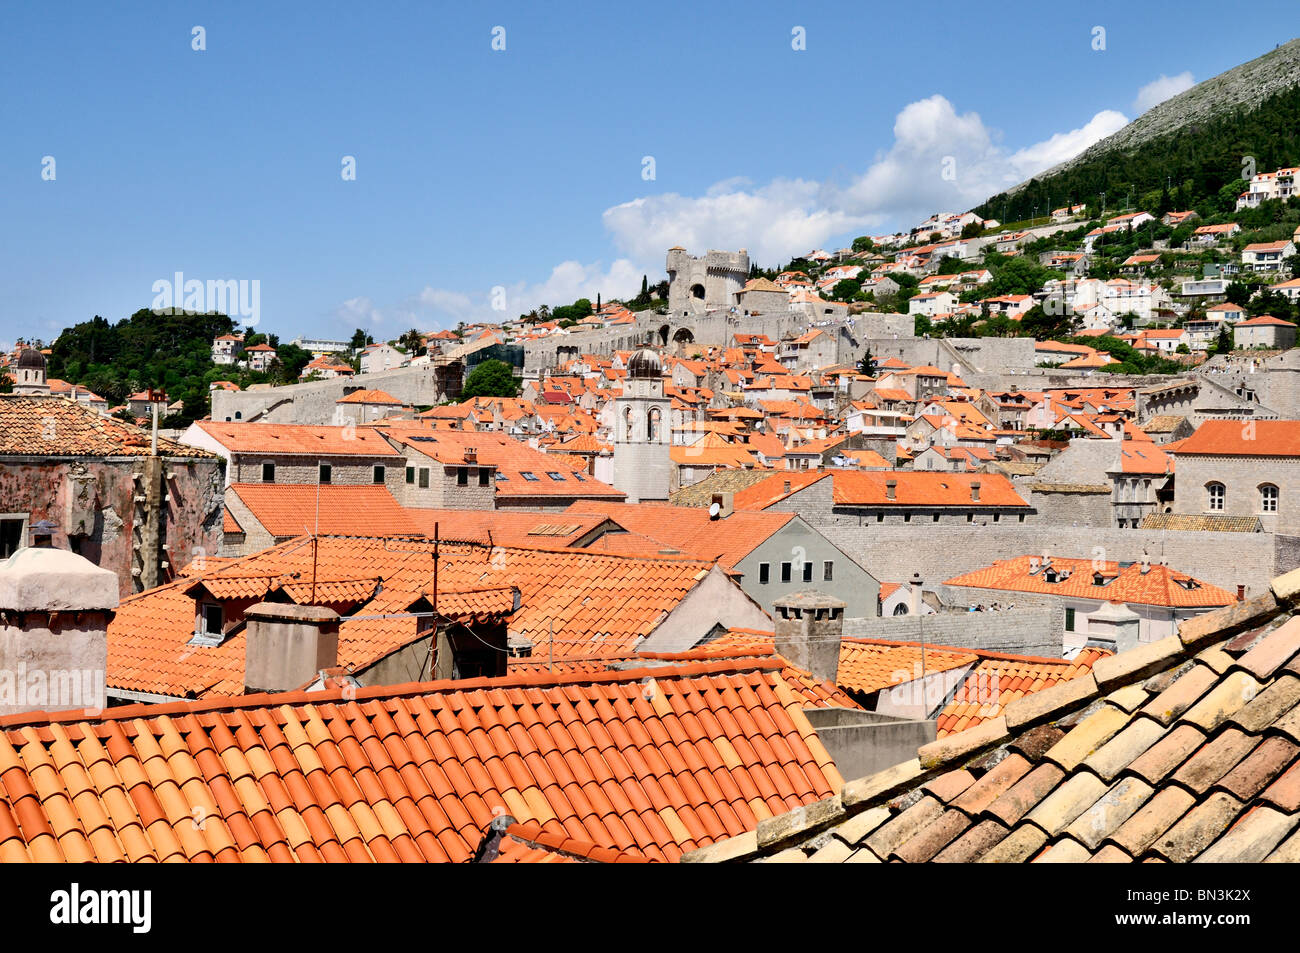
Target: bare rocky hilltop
[(1242, 87)]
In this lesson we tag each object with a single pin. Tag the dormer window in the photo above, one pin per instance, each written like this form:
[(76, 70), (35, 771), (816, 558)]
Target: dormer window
[(208, 624)]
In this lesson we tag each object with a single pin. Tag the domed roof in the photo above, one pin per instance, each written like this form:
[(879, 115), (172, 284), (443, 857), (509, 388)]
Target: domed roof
[(31, 358), (645, 363)]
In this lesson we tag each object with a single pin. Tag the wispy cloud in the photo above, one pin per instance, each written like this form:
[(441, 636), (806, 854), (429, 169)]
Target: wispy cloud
[(1163, 87)]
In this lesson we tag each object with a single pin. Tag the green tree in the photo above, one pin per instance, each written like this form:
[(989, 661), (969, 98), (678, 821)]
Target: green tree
[(845, 290), (360, 339), (490, 379), (867, 365), (412, 342), (1238, 293), (863, 243)]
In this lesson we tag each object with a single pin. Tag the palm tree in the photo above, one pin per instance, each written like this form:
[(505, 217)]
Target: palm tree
[(412, 341)]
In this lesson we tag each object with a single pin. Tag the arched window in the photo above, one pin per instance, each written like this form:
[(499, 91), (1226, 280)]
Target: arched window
[(652, 425), (1267, 498), (1214, 496), (627, 419), (901, 609)]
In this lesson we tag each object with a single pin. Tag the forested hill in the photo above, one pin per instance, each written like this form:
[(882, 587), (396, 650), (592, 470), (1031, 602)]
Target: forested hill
[(1197, 161), (148, 349)]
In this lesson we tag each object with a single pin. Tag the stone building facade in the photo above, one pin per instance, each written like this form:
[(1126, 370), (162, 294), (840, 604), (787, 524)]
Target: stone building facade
[(705, 283), (110, 497)]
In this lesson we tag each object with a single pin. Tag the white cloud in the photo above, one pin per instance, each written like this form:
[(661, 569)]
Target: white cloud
[(939, 160), (1163, 87), (771, 221), (1066, 145), (436, 308), (358, 311)]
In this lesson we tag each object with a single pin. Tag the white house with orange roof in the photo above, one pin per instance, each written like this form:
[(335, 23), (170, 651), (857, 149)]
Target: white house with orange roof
[(931, 303), (226, 348), (1131, 219), (1289, 288), (1213, 234), (1266, 256), (259, 357)]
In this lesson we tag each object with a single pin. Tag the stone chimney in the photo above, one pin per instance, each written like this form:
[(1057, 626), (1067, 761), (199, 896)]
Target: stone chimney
[(916, 592), (55, 607), (1114, 625), (726, 503), (287, 645), (809, 628), (891, 486), (975, 490)]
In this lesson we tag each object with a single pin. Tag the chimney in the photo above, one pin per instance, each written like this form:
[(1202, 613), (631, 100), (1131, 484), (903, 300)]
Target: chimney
[(1033, 565), (1146, 564), (809, 628), (1115, 624), (785, 486), (471, 455), (890, 487), (287, 645), (915, 593), (1241, 593), (725, 502), (975, 490), (55, 607)]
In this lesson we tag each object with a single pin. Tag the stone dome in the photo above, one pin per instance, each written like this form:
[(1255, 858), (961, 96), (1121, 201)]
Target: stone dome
[(31, 358), (645, 363)]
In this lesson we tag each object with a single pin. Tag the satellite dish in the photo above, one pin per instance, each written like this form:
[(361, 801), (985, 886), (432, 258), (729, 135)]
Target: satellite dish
[(714, 510)]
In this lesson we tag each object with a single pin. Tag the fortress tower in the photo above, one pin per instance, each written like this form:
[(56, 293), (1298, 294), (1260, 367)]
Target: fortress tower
[(707, 283)]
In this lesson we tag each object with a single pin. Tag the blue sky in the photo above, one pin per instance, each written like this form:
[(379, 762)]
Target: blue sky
[(523, 169)]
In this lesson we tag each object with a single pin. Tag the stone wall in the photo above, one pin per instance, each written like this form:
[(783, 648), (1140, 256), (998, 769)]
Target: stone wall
[(892, 553), (1024, 630), (1241, 478), (93, 504)]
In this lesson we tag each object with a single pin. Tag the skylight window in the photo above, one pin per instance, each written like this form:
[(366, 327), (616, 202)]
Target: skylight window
[(557, 477), (530, 477)]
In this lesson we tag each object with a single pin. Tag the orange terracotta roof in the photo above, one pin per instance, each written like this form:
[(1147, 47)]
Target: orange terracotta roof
[(689, 529), (997, 681), (297, 439), (595, 603), (506, 527), (56, 426), (228, 522), (1258, 438), (764, 493), (869, 488), (291, 509), (369, 397), (1100, 580), (652, 762), (521, 471)]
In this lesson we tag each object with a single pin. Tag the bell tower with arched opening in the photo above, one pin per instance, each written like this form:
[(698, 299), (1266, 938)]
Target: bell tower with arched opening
[(642, 431)]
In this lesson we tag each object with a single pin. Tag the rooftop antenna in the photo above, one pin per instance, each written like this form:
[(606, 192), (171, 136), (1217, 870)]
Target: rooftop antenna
[(433, 635), (315, 536)]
